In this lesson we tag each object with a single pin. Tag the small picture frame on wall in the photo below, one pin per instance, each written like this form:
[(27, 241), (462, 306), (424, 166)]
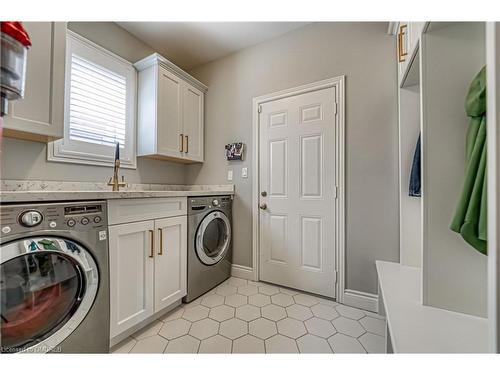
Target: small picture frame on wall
[(234, 151)]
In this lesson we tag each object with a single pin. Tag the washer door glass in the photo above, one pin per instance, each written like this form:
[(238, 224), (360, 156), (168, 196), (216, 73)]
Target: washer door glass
[(213, 238), (42, 285)]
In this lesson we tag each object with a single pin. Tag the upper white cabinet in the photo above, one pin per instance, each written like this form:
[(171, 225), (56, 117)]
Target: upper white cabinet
[(170, 111), (40, 115), (408, 39)]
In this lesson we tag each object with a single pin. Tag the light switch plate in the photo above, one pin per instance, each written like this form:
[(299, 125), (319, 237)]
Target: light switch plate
[(230, 175), (244, 172)]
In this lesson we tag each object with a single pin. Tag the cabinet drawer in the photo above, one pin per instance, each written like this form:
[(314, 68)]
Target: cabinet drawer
[(129, 210)]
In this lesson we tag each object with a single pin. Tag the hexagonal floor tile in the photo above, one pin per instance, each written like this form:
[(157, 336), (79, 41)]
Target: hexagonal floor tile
[(183, 344), (281, 344), (372, 343), (350, 312), (225, 290), (195, 302), (299, 312), (248, 290), (152, 344), (212, 300), (221, 313), (233, 328), (324, 312), (373, 325), (259, 300), (235, 281), (175, 328), (290, 292), (320, 327), (306, 300), (268, 290), (273, 312), (248, 312), (148, 331), (313, 344), (348, 326), (125, 346), (328, 302), (216, 344), (282, 299), (262, 328), (203, 329), (341, 343), (236, 300), (248, 344), (172, 315), (195, 313), (291, 327)]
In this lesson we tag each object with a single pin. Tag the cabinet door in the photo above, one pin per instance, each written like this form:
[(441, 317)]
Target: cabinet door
[(169, 125), (192, 112), (170, 261), (40, 114), (131, 263)]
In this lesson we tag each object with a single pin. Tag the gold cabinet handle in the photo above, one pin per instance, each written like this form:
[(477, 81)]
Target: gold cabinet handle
[(182, 142), (401, 55), (152, 233), (160, 252), (187, 144)]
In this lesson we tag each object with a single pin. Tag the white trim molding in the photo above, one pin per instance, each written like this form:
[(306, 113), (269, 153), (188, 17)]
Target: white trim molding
[(339, 84), (243, 272), (361, 300)]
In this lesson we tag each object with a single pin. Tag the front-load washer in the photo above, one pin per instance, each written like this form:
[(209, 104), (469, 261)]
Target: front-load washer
[(209, 243), (54, 278)]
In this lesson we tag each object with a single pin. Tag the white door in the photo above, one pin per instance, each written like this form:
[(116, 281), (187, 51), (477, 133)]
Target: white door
[(131, 262), (170, 261), (192, 123), (297, 184), (169, 123)]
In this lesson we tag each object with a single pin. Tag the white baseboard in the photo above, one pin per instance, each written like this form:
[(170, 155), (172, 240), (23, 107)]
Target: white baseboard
[(361, 300), (243, 272)]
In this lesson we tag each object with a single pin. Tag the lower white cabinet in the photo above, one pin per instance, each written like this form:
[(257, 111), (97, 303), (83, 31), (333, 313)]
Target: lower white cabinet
[(148, 269)]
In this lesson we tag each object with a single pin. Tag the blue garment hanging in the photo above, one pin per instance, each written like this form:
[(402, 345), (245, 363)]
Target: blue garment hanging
[(415, 175)]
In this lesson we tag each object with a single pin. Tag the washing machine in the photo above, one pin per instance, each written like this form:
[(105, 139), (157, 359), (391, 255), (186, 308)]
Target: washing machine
[(54, 278), (209, 243)]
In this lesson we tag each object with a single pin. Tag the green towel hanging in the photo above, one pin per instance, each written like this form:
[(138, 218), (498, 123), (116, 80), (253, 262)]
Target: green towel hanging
[(471, 213)]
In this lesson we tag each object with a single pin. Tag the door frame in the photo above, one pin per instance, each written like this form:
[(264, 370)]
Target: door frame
[(339, 84)]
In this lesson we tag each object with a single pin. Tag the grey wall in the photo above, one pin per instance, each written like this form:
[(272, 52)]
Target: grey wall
[(366, 55), (28, 160)]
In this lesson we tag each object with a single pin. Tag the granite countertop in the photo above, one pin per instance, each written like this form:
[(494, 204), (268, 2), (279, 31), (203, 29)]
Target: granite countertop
[(12, 191)]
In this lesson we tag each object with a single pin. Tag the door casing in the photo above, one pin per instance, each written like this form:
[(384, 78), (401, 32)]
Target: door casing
[(339, 84)]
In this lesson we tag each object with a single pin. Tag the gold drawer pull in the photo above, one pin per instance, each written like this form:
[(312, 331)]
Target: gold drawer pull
[(160, 252), (152, 233), (401, 55), (182, 142), (187, 144)]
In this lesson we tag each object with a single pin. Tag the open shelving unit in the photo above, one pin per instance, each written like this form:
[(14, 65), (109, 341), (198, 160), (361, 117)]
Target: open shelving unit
[(436, 298)]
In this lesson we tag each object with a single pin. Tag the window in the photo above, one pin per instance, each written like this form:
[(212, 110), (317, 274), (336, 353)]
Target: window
[(99, 108)]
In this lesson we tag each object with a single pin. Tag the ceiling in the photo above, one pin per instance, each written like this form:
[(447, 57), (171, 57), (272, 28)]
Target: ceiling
[(189, 44)]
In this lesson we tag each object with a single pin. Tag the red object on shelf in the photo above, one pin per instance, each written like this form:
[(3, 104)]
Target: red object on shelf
[(16, 30)]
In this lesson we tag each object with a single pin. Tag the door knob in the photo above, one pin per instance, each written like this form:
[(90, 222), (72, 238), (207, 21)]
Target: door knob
[(263, 206), (264, 193)]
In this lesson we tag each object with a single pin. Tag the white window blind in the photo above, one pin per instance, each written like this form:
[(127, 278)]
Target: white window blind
[(99, 107), (97, 112)]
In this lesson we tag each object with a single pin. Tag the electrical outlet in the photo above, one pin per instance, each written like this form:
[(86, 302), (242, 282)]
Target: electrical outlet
[(230, 175), (244, 172)]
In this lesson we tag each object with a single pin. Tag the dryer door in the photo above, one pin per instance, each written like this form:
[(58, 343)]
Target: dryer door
[(47, 287), (213, 238)]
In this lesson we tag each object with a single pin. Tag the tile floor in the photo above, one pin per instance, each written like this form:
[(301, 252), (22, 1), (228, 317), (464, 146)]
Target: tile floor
[(241, 316)]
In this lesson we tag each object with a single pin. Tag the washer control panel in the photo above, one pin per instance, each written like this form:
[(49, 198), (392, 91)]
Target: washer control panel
[(25, 218)]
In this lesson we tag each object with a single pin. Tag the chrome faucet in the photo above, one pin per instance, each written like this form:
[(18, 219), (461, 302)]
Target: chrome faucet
[(114, 181)]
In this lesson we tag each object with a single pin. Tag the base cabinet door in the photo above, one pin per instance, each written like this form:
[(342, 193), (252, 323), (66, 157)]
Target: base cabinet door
[(131, 259), (170, 262)]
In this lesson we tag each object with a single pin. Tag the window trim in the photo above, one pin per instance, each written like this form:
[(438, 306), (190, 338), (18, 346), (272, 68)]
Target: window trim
[(79, 152)]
